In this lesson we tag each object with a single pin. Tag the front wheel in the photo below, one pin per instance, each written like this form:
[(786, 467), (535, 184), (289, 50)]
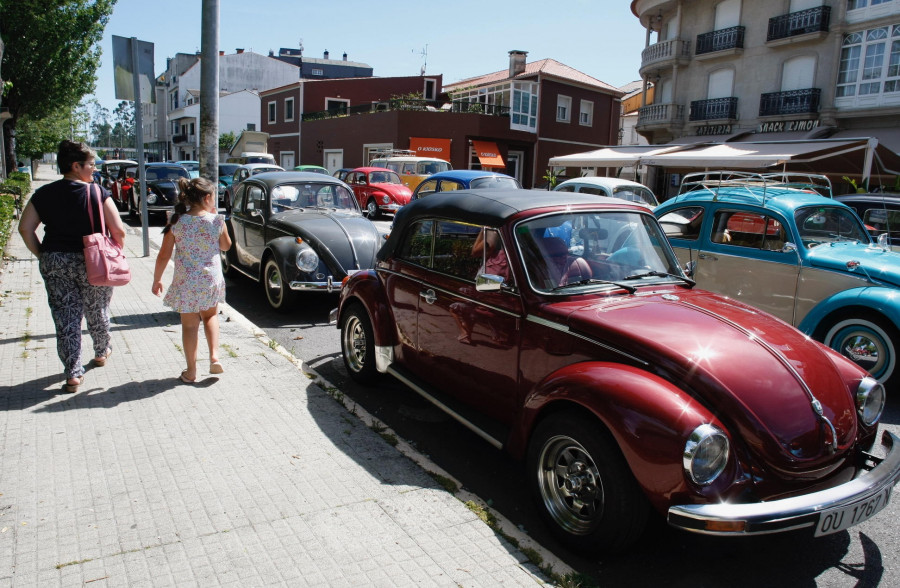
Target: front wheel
[(358, 346), (227, 263), (278, 292), (582, 485), (371, 209), (871, 346)]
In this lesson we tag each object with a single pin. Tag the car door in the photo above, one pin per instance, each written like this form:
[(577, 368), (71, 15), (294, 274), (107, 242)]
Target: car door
[(742, 255), (467, 340), (249, 226)]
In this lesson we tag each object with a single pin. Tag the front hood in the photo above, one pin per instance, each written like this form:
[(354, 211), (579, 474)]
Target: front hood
[(400, 193), (877, 263), (759, 375), (344, 239)]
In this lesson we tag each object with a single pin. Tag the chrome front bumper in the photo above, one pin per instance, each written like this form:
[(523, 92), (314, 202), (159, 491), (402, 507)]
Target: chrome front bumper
[(792, 513), (326, 286)]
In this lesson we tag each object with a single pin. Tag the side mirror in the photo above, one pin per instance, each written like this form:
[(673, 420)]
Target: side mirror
[(488, 283), (789, 248), (884, 241), (689, 268)]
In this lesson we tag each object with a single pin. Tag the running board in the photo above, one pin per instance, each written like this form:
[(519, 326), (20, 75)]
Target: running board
[(410, 381)]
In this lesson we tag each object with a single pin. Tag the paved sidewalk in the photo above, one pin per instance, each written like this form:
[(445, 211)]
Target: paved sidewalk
[(255, 477)]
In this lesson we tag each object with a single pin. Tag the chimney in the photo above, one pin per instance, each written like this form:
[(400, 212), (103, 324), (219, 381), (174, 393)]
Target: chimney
[(345, 56), (239, 51), (326, 54), (221, 53), (517, 62)]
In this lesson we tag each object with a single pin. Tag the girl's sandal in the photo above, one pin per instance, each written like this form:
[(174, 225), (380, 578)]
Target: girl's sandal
[(185, 379), (216, 368), (100, 360), (72, 388)]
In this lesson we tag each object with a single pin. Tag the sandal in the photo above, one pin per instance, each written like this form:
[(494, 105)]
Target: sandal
[(215, 367), (100, 360), (185, 379), (72, 388)]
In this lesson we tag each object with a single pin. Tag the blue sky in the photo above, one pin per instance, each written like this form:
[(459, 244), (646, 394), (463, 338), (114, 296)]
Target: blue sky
[(464, 38)]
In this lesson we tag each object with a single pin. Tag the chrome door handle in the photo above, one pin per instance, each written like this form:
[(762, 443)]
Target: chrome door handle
[(708, 256), (428, 296)]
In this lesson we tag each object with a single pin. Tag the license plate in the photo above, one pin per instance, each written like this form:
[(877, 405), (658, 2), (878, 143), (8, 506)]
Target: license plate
[(841, 519)]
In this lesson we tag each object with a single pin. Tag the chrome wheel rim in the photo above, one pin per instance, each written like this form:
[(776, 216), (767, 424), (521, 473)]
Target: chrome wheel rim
[(274, 285), (354, 343), (371, 209), (866, 345), (570, 485)]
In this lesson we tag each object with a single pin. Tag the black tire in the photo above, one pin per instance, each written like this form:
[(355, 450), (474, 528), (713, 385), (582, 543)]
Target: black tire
[(582, 485), (227, 263), (281, 298), (372, 209), (870, 342), (358, 346), (133, 212)]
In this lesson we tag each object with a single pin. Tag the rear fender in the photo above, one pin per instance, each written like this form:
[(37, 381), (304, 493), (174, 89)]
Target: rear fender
[(365, 289), (649, 418), (885, 301)]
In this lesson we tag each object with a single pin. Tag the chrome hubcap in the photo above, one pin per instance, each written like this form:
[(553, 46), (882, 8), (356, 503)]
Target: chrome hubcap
[(355, 343), (570, 485)]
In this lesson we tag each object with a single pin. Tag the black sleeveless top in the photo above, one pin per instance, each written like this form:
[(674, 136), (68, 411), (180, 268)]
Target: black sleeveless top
[(62, 208)]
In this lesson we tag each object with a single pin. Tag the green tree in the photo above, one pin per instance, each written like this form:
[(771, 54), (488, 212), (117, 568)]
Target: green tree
[(123, 130), (226, 141), (51, 56), (34, 137)]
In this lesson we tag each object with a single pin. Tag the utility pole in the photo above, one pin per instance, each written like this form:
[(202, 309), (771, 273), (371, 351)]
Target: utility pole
[(209, 91)]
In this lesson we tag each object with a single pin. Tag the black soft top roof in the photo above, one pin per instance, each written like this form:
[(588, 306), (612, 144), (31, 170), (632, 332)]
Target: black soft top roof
[(487, 207)]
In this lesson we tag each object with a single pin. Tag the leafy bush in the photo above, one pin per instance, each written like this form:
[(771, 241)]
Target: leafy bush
[(7, 216), (20, 179)]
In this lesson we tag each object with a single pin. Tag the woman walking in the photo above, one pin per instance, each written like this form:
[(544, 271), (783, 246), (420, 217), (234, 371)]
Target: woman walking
[(62, 207), (196, 233)]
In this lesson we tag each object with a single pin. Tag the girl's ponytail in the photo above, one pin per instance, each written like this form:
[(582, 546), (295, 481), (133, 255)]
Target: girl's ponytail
[(182, 203)]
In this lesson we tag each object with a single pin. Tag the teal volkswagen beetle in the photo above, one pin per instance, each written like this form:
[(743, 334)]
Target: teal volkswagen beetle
[(776, 243)]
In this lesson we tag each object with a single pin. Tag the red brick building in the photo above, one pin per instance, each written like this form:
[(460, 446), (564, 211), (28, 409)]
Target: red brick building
[(530, 113)]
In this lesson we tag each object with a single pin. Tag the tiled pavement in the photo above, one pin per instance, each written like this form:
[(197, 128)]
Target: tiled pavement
[(255, 477)]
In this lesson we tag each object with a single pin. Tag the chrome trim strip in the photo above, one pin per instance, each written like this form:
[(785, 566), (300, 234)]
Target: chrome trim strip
[(795, 512), (564, 329), (327, 286), (469, 425)]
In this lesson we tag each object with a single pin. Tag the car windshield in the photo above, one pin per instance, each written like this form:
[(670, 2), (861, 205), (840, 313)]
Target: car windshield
[(494, 183), (227, 169), (312, 195), (827, 224), (637, 194), (155, 174), (190, 165), (259, 170), (384, 177), (592, 250)]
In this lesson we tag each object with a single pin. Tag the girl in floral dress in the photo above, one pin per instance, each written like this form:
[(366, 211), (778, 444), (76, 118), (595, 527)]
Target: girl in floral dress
[(196, 233)]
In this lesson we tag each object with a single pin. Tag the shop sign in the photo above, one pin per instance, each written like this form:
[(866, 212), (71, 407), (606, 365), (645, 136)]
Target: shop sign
[(787, 125), (714, 130)]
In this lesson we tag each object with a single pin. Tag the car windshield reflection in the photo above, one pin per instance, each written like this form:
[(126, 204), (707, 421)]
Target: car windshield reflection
[(828, 224), (592, 250), (495, 183), (311, 195)]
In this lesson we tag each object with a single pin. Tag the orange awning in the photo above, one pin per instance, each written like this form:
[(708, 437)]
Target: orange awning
[(488, 154), (430, 147)]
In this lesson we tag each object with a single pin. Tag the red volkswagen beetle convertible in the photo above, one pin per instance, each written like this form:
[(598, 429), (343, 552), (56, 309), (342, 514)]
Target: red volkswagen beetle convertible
[(563, 331)]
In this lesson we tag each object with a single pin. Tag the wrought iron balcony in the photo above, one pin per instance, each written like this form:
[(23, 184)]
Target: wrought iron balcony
[(665, 51), (714, 109), (790, 102), (813, 20), (660, 114), (179, 138), (731, 38)]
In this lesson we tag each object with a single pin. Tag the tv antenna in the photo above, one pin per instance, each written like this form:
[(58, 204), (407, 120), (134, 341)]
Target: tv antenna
[(300, 44), (424, 54)]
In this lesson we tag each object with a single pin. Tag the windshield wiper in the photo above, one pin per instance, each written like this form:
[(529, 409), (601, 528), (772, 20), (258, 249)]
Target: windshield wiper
[(659, 274), (629, 289)]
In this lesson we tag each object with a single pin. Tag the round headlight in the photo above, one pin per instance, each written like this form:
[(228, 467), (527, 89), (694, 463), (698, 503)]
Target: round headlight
[(705, 454), (870, 399), (151, 197), (307, 260), (386, 199)]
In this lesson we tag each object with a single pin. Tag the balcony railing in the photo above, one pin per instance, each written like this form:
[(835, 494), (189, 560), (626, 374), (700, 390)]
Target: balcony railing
[(714, 109), (665, 51), (179, 138), (790, 102), (813, 20), (660, 114), (731, 38)]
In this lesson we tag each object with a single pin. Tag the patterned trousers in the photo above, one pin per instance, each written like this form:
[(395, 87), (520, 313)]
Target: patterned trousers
[(72, 297)]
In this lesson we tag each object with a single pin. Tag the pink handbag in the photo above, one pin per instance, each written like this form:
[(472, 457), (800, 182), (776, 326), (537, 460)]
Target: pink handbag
[(105, 262)]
